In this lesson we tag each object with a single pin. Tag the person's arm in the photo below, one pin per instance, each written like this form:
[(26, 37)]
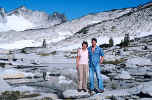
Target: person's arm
[(101, 59), (77, 59), (101, 56)]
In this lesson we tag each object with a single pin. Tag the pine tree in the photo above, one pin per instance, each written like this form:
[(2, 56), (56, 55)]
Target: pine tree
[(111, 42), (126, 40), (44, 43)]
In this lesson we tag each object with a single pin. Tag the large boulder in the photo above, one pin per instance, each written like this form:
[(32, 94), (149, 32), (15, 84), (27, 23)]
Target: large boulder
[(74, 94), (13, 74), (147, 90)]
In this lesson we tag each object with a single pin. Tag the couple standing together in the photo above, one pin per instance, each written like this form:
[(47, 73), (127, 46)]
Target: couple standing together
[(89, 58)]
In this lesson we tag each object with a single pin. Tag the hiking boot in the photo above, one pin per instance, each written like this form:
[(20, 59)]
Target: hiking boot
[(79, 90), (85, 90), (100, 91)]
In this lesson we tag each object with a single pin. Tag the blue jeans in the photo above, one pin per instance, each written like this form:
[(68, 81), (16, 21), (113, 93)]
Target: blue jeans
[(97, 70)]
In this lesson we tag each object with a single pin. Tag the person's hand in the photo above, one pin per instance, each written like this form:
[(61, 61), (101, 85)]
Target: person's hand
[(101, 61), (77, 65)]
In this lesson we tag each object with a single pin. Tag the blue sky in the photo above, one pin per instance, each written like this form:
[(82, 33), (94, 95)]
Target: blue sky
[(71, 8)]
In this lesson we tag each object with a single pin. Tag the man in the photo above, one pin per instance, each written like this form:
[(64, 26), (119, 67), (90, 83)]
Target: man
[(96, 57)]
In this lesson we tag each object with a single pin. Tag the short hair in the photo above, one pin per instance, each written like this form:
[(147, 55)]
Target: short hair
[(94, 39), (85, 42)]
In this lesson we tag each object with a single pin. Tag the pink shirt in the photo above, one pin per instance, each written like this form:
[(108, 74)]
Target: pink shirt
[(83, 56)]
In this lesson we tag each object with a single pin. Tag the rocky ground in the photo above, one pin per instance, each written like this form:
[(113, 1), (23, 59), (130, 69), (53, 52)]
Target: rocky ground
[(126, 72)]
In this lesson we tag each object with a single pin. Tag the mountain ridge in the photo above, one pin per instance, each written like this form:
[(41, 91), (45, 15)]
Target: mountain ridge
[(36, 19), (103, 25)]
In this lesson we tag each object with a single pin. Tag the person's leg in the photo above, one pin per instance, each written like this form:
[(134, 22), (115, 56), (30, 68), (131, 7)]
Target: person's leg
[(80, 76), (84, 86), (99, 77), (87, 74), (91, 76), (87, 69)]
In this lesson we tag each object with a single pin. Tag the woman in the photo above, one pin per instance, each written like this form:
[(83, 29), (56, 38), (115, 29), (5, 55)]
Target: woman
[(82, 67)]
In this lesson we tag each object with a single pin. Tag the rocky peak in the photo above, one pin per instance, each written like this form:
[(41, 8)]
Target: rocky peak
[(2, 15), (39, 18), (145, 5), (23, 8), (57, 15), (20, 11), (2, 12)]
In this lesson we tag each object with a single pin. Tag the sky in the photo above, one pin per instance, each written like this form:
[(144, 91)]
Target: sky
[(71, 8)]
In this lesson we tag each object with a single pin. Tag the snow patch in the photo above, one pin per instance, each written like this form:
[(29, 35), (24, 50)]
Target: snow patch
[(17, 23)]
